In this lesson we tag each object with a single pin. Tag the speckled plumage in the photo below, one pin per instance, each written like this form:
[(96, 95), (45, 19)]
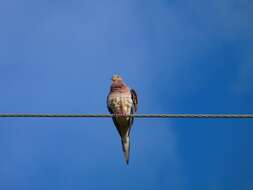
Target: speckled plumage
[(122, 100)]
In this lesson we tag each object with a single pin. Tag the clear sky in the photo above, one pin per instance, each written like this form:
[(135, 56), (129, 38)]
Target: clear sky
[(180, 56)]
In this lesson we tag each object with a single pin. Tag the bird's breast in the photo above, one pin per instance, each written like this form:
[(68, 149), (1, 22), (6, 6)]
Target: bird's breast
[(121, 103)]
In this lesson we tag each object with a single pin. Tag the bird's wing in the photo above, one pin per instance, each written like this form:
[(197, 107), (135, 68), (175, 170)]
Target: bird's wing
[(134, 99), (133, 108), (108, 105), (113, 118)]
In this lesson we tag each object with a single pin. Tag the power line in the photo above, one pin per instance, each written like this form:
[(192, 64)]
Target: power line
[(193, 116)]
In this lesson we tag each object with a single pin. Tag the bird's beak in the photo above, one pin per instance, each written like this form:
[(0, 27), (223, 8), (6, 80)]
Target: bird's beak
[(114, 78)]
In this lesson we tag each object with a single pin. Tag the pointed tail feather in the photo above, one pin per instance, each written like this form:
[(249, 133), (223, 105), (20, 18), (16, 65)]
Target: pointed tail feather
[(126, 148)]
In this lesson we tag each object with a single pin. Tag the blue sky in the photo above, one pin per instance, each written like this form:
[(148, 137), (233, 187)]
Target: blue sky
[(180, 56)]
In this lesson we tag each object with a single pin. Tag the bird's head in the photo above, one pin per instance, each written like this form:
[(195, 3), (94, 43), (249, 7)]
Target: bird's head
[(116, 78), (118, 84)]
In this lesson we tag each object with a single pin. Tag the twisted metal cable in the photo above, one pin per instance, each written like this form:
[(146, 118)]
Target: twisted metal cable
[(193, 116)]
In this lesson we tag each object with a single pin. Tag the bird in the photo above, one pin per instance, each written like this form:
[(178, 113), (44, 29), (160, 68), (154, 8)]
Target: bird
[(122, 101)]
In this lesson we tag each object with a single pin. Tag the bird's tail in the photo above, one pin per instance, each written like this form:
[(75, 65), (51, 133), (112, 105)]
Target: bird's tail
[(126, 147)]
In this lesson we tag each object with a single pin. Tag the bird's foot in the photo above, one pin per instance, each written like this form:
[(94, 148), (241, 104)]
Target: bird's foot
[(122, 115)]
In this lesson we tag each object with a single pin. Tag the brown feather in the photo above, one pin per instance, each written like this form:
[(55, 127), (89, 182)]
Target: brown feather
[(135, 99)]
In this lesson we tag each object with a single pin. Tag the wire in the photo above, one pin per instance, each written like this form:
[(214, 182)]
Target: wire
[(196, 116)]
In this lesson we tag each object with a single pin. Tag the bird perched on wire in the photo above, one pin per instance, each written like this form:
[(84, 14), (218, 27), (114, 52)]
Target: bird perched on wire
[(123, 101)]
